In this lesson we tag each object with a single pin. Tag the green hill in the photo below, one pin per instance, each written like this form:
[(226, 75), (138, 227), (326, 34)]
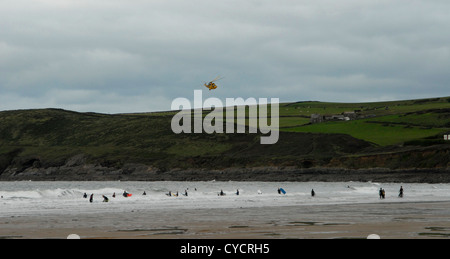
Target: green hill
[(54, 144)]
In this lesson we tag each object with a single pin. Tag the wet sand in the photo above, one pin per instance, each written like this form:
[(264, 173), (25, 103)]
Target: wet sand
[(388, 220)]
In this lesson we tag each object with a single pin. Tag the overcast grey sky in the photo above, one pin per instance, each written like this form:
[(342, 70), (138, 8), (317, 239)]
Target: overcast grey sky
[(117, 56)]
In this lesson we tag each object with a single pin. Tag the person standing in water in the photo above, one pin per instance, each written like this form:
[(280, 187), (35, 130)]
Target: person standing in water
[(91, 199), (313, 193), (400, 193)]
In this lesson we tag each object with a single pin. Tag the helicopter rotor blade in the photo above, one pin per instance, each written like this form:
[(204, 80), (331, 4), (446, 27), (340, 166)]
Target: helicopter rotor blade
[(217, 79)]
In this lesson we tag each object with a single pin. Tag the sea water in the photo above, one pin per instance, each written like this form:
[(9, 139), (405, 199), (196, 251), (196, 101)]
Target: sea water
[(29, 198)]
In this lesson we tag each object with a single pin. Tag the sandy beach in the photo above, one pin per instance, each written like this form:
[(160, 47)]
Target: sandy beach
[(410, 220)]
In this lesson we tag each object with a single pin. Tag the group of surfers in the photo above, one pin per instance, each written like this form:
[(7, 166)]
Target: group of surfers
[(106, 199), (125, 194)]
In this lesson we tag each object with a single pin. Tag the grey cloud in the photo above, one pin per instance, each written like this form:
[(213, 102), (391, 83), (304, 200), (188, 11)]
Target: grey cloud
[(88, 55)]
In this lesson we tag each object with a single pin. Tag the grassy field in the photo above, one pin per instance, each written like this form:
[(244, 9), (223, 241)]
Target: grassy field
[(380, 134), (391, 123)]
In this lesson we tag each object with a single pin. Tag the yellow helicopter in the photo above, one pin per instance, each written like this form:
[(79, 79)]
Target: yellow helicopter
[(211, 85)]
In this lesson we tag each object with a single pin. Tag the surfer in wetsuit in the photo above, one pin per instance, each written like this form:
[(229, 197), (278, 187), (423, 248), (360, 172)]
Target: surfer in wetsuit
[(85, 195), (383, 194), (91, 199), (313, 193), (279, 191), (105, 199), (400, 193), (125, 194)]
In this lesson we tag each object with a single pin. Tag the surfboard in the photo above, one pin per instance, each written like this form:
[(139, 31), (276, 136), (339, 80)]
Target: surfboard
[(129, 195), (282, 190)]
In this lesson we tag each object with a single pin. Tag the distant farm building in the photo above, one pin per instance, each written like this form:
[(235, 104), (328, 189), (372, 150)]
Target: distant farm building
[(345, 116), (317, 118), (350, 115)]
